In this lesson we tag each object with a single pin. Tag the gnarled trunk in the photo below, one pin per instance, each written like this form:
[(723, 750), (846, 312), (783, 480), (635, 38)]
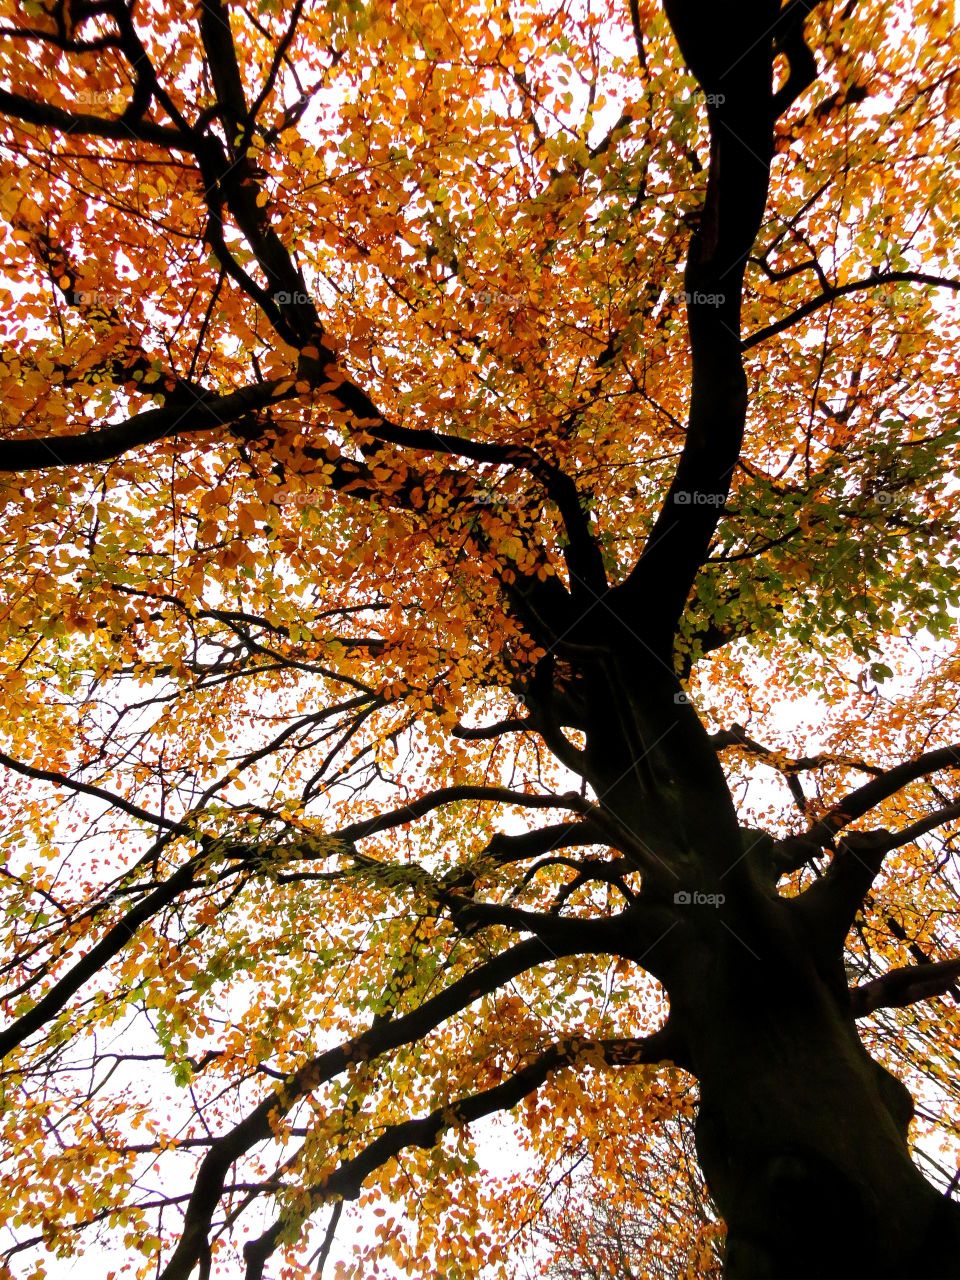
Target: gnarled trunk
[(802, 1136)]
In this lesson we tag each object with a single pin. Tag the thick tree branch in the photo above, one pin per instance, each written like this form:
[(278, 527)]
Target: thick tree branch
[(483, 733), (732, 58), (118, 128), (518, 847), (802, 65), (902, 987), (453, 795), (833, 900), (856, 803), (736, 736), (221, 58), (210, 413)]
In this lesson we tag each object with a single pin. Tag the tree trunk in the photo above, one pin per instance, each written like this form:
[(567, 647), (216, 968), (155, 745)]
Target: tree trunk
[(802, 1137)]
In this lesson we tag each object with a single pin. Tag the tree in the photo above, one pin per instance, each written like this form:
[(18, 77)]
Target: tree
[(655, 1223), (442, 447)]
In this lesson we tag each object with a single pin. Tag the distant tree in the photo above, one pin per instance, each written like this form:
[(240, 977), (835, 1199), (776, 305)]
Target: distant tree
[(646, 1216)]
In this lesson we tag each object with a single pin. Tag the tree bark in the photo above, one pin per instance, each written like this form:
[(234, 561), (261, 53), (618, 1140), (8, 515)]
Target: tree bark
[(802, 1137)]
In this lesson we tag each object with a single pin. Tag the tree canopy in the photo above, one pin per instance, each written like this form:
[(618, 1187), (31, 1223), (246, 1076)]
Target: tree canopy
[(478, 625)]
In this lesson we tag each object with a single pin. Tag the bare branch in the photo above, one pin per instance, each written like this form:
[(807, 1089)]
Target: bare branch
[(827, 296)]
